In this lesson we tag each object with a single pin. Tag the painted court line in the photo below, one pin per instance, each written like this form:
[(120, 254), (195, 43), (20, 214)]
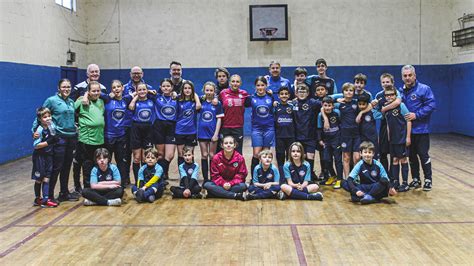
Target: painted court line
[(453, 166), (19, 220), (298, 246), (454, 178), (251, 225), (39, 231)]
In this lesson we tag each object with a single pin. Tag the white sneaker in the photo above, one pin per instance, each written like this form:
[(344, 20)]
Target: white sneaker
[(89, 202), (114, 202), (281, 195)]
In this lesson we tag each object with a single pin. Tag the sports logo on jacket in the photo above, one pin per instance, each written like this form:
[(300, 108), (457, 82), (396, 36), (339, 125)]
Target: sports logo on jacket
[(395, 112), (302, 172), (413, 97), (207, 116), (144, 115), (305, 106), (235, 164), (188, 113), (168, 111), (332, 119), (374, 173), (354, 106), (368, 118), (262, 111), (118, 115), (190, 171)]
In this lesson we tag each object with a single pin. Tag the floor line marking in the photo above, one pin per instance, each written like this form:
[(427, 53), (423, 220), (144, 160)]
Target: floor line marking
[(254, 225), (453, 166), (454, 178), (39, 231), (19, 220), (298, 245)]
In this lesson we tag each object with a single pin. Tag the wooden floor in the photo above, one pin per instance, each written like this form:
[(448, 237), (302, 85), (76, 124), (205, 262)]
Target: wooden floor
[(413, 228)]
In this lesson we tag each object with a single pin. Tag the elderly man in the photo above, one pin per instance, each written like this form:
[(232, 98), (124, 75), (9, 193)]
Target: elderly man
[(93, 74), (420, 101), (136, 77)]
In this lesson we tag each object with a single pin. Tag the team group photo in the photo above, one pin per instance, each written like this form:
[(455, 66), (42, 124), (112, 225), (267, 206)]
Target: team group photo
[(168, 137)]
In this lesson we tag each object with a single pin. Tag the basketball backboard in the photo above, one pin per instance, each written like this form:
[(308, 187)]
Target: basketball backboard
[(268, 22)]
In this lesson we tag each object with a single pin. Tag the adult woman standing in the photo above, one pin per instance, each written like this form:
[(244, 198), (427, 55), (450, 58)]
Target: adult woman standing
[(91, 127), (62, 110), (233, 103)]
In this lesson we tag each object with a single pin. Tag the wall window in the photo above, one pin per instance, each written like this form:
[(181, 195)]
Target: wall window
[(69, 4)]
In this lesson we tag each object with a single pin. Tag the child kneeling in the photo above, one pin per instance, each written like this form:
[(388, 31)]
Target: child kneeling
[(368, 182), (266, 178), (189, 171), (106, 189), (150, 186), (298, 174)]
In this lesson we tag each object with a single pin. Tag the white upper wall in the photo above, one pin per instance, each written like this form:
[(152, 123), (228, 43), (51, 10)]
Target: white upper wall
[(466, 53), (216, 33), (37, 32)]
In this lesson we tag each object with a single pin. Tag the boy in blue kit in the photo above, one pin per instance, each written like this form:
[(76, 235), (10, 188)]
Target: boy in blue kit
[(275, 80), (368, 182), (284, 127), (43, 157), (350, 137), (265, 179), (360, 81), (189, 173), (150, 185), (321, 68), (105, 184), (399, 134), (378, 104), (329, 137), (305, 112), (367, 125), (300, 78)]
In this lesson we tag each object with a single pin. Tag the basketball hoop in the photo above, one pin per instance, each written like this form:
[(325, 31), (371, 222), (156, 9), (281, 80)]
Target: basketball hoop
[(268, 33)]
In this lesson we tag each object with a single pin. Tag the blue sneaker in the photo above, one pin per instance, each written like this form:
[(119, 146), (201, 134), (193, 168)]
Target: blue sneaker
[(367, 199)]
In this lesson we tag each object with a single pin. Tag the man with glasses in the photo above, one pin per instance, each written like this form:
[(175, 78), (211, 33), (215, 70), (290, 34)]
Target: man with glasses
[(136, 77)]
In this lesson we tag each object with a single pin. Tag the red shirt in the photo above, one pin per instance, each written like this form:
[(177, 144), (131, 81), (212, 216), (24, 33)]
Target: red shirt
[(231, 171), (234, 109)]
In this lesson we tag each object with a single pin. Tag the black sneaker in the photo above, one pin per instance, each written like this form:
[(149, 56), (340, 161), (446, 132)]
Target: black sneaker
[(395, 184), (67, 197), (427, 185), (250, 196), (196, 196), (403, 187), (78, 190), (315, 196), (37, 202), (355, 198), (140, 195), (415, 183), (281, 195), (240, 196)]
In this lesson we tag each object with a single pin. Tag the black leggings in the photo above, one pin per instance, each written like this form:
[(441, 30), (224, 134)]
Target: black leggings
[(102, 196), (186, 183)]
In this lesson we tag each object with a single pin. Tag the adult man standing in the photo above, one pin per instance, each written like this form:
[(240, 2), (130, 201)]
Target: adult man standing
[(176, 72), (93, 74), (136, 77), (420, 101)]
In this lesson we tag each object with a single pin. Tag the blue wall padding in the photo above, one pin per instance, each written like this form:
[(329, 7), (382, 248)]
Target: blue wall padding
[(25, 87), (461, 89)]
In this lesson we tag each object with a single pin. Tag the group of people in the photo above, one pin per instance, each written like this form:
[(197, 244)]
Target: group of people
[(142, 127)]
